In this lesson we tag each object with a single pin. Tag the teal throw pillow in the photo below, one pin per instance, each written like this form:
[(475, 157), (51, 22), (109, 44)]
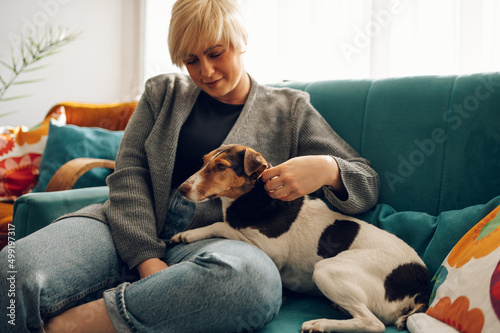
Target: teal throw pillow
[(67, 142), (432, 237)]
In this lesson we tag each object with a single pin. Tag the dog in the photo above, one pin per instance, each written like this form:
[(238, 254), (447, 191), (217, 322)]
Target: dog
[(368, 272)]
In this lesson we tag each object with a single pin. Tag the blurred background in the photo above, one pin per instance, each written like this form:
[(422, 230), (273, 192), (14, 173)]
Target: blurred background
[(123, 42)]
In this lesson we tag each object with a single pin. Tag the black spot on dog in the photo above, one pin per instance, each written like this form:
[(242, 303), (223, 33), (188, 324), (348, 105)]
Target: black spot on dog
[(256, 209), (411, 279), (337, 237)]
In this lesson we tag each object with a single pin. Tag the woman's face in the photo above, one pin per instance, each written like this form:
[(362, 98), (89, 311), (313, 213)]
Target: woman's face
[(218, 70)]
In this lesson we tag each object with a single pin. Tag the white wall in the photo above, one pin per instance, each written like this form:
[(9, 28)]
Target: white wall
[(101, 66), (156, 54)]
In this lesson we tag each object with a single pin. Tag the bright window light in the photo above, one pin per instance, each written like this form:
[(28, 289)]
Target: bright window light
[(309, 40)]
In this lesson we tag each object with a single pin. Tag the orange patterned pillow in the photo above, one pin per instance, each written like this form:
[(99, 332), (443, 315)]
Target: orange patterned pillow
[(466, 294), (20, 155)]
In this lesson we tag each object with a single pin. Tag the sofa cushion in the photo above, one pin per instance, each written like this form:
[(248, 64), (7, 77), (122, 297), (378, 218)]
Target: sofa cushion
[(432, 237), (21, 150), (466, 293), (472, 156), (427, 137), (298, 308), (69, 142)]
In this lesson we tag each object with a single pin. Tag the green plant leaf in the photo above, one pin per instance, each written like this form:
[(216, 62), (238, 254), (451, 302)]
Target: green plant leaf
[(6, 99), (29, 81), (6, 65), (34, 48), (28, 69), (7, 113)]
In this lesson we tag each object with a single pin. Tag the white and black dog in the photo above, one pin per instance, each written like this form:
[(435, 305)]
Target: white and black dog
[(366, 271)]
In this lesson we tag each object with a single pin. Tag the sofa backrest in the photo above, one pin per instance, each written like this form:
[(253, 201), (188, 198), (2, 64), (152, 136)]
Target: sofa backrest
[(435, 141)]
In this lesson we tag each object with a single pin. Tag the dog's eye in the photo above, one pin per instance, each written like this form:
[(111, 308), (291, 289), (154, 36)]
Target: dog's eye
[(221, 167)]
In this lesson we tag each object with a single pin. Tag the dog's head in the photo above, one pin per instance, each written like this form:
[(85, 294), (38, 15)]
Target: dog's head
[(229, 171)]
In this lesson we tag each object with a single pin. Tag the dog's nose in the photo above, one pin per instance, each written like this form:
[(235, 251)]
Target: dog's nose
[(184, 189)]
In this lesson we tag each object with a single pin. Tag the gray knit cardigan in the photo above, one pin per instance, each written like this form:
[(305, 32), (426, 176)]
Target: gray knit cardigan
[(279, 123)]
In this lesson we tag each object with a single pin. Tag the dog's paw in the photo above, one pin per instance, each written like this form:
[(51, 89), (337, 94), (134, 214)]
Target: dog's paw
[(313, 326), (190, 236), (181, 237)]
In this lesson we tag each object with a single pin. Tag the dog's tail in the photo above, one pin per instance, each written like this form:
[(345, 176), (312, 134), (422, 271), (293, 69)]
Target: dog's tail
[(401, 321)]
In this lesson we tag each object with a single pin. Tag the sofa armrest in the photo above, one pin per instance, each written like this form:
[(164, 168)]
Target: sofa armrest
[(69, 173), (34, 211)]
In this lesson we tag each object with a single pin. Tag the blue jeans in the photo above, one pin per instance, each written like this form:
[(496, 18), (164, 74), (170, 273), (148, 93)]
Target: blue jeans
[(214, 285)]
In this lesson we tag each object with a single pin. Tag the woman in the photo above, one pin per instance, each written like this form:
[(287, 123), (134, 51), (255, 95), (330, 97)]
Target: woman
[(107, 267)]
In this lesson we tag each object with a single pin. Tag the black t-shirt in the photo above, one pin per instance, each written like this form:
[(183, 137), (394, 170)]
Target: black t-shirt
[(205, 129)]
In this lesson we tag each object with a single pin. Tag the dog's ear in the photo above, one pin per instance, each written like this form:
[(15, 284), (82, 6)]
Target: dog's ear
[(254, 163)]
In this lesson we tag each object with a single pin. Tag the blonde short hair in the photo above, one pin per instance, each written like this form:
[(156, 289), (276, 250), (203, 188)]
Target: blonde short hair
[(195, 22)]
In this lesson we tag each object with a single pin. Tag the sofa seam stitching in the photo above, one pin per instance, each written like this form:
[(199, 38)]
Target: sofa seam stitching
[(363, 126), (445, 148)]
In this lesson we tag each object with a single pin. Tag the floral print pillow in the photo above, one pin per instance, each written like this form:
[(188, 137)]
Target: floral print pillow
[(466, 294), (21, 151)]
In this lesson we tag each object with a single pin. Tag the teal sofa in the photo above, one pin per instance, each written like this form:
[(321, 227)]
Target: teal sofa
[(435, 142)]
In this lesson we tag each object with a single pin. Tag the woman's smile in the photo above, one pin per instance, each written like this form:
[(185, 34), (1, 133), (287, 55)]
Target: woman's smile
[(213, 84)]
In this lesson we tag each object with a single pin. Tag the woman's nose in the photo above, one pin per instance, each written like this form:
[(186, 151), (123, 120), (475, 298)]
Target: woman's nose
[(207, 68)]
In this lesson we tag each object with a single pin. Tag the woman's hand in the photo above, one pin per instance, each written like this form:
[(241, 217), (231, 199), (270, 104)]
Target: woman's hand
[(303, 175), (150, 266)]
